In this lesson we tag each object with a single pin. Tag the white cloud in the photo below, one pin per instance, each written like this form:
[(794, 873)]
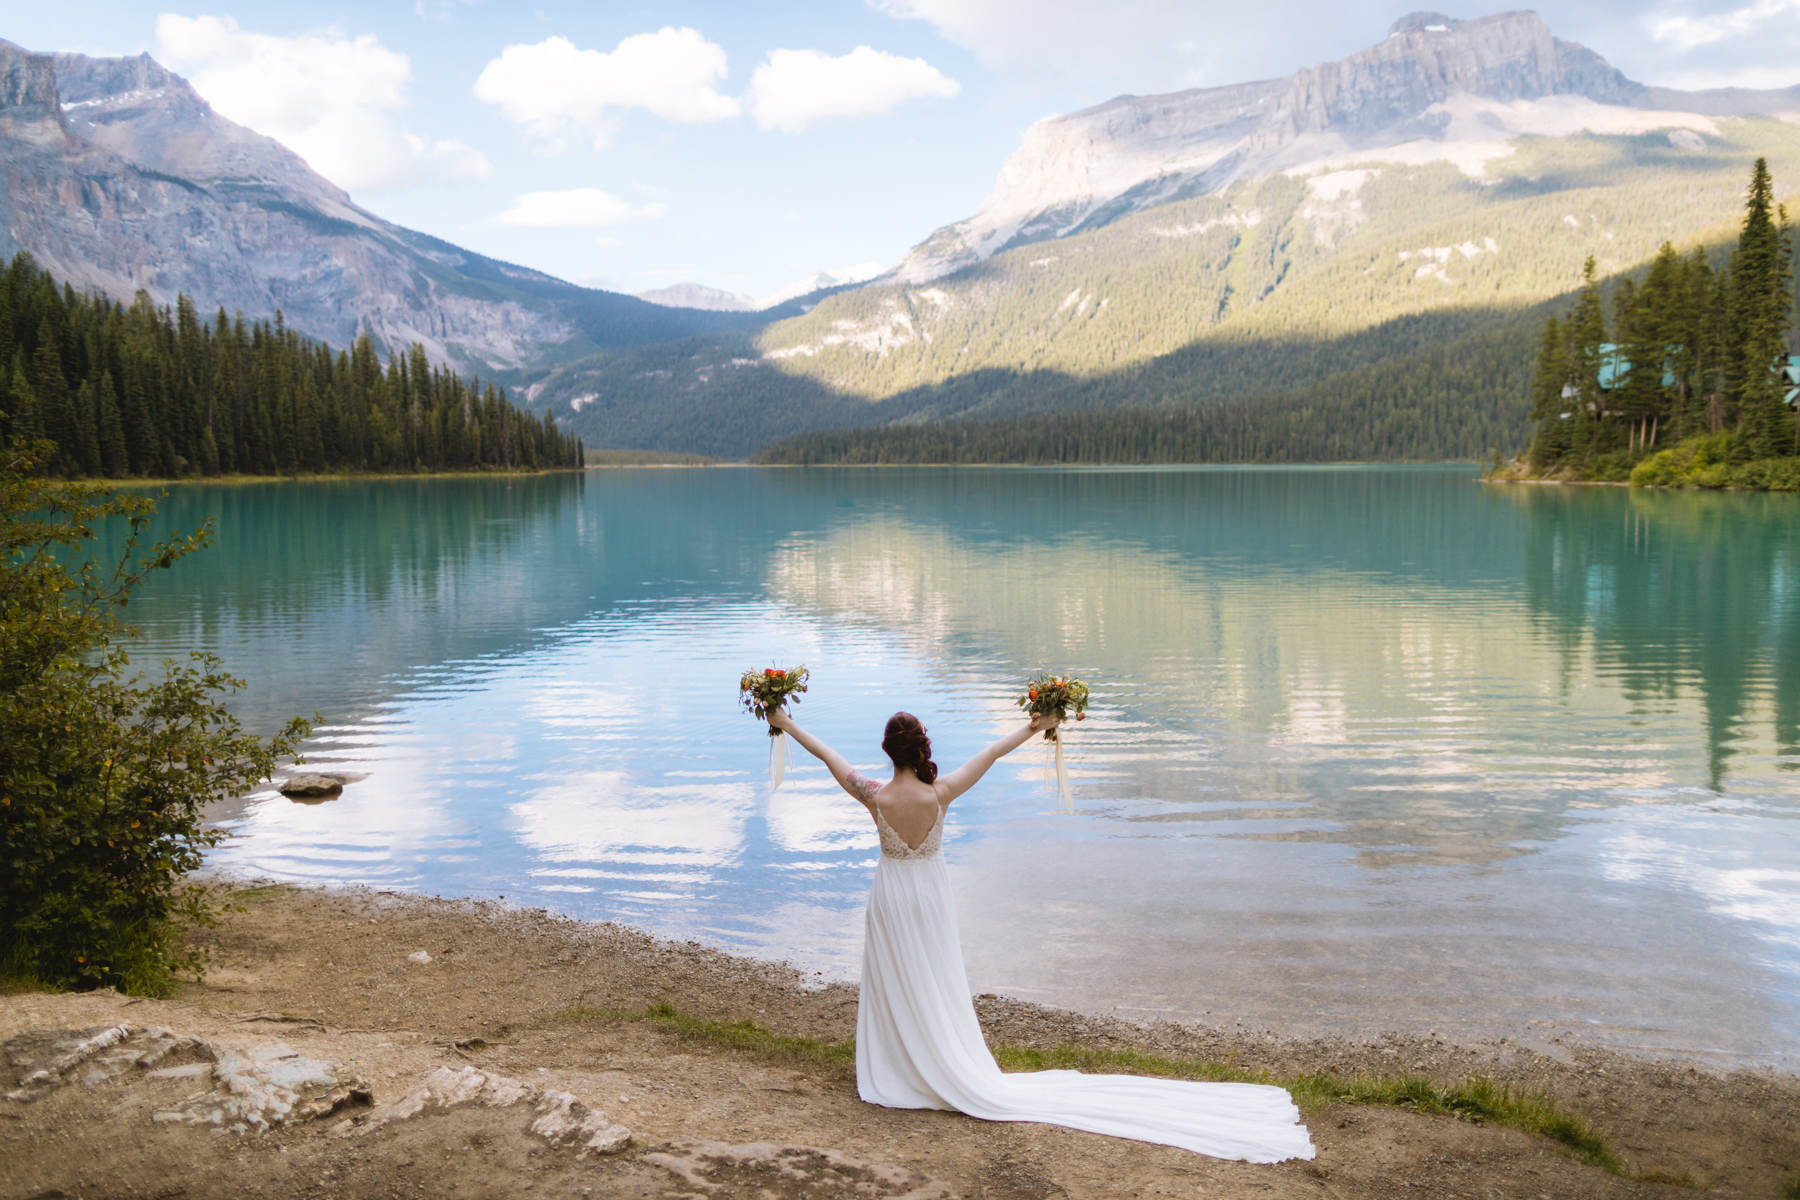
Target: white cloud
[(326, 96), (1686, 33), (554, 88), (796, 88), (1146, 46), (1157, 42), (575, 208)]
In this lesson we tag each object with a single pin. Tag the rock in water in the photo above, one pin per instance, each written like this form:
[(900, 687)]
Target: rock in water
[(303, 787)]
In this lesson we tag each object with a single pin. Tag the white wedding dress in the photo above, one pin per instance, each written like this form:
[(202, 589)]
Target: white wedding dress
[(918, 1044)]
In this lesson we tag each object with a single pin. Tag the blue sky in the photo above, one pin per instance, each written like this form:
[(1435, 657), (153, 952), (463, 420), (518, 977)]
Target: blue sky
[(747, 145)]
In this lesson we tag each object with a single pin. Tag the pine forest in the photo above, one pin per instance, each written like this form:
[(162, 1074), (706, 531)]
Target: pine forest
[(1689, 379), (141, 391)]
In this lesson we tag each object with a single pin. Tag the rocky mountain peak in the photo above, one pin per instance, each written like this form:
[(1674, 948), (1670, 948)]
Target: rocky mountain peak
[(154, 119), (1089, 167), (1422, 22), (81, 79)]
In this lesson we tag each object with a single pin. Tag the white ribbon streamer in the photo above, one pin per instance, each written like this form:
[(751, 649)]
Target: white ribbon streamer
[(1063, 801), (778, 760)]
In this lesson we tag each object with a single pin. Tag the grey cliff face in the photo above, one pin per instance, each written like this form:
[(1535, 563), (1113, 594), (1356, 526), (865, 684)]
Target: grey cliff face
[(28, 107), (1076, 171), (117, 176)]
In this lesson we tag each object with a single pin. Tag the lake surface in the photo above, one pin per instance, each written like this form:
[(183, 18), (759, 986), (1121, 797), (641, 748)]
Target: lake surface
[(1371, 748)]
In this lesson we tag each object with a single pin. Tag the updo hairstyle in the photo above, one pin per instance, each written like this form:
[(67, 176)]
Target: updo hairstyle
[(905, 742)]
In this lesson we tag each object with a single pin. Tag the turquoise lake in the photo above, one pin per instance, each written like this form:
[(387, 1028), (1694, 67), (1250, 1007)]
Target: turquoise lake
[(1372, 748)]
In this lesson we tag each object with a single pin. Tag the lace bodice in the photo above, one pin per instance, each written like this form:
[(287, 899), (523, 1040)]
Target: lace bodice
[(892, 844)]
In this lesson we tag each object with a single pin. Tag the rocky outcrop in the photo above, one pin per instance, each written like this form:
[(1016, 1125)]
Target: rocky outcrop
[(29, 113), (557, 1117), (1084, 169), (248, 1087), (765, 1169)]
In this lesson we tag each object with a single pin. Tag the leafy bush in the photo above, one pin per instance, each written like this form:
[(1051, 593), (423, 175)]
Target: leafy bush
[(1769, 475), (1705, 462), (1612, 468), (1662, 469), (104, 776)]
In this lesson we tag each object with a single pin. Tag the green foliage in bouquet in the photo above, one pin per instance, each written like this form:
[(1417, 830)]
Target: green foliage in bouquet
[(771, 688), (1048, 695)]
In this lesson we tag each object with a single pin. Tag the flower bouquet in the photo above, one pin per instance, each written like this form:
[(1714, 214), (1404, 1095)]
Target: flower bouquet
[(1048, 695), (761, 692)]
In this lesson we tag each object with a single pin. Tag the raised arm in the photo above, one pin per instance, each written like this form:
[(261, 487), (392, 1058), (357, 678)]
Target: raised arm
[(834, 762), (950, 786)]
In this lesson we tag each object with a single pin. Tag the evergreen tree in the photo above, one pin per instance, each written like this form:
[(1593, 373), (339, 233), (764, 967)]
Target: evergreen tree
[(1549, 408), (113, 459), (1761, 302), (21, 402)]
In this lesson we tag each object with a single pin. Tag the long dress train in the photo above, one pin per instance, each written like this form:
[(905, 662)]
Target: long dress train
[(919, 1045)]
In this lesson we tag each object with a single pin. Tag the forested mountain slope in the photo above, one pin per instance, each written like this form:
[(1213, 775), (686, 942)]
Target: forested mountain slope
[(1419, 279)]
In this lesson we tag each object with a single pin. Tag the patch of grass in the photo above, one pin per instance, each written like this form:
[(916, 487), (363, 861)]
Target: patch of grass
[(258, 893), (754, 1038), (746, 1036), (1478, 1099), (14, 983), (1791, 1189)]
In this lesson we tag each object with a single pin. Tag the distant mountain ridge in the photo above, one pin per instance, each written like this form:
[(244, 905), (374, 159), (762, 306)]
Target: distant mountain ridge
[(1299, 248), (1084, 169), (1262, 241), (699, 295), (116, 175), (810, 289)]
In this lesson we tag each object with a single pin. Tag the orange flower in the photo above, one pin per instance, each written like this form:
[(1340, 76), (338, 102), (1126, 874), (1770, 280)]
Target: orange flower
[(1032, 694)]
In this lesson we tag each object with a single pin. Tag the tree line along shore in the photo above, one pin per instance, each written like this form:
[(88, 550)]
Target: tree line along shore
[(1689, 381), (139, 391)]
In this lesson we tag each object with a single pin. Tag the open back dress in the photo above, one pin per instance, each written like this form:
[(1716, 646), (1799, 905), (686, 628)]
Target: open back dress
[(919, 1045)]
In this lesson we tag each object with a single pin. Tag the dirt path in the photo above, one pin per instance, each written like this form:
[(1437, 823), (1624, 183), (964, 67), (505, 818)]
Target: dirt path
[(523, 998)]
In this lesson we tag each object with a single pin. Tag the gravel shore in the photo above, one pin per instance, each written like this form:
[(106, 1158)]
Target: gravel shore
[(556, 1006)]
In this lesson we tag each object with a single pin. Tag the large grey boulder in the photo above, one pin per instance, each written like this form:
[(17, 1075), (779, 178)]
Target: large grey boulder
[(313, 786)]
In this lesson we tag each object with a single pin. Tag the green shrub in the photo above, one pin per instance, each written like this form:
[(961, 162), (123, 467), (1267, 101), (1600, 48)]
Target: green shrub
[(1612, 468), (1705, 462), (1769, 475), (104, 775), (1662, 469), (1718, 475)]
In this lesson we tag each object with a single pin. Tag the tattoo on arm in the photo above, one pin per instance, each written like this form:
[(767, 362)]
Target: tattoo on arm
[(862, 787)]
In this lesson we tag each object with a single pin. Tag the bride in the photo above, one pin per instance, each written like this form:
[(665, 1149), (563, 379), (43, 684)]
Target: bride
[(918, 1044)]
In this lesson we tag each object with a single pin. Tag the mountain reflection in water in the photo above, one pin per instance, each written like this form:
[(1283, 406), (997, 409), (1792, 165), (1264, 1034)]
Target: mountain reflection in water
[(1372, 747)]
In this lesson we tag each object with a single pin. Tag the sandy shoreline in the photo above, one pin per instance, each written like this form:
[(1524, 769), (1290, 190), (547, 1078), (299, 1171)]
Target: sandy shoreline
[(562, 1004)]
